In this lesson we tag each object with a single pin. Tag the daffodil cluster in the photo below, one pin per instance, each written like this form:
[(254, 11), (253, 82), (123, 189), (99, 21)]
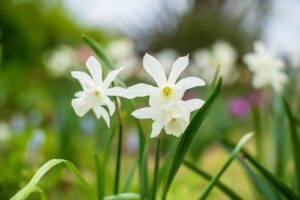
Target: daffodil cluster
[(166, 107)]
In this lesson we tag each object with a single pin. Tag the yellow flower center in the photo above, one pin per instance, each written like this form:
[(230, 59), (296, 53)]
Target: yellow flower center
[(167, 91), (97, 93)]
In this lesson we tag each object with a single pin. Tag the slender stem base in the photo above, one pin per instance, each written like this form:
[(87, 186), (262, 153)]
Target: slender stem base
[(118, 161), (156, 168)]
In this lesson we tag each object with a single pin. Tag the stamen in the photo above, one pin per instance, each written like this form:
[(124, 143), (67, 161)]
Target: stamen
[(167, 90)]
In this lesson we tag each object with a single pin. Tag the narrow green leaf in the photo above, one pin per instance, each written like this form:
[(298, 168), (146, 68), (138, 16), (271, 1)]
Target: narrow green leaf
[(31, 186), (275, 181), (188, 136), (260, 183), (279, 130), (295, 144), (98, 50), (130, 176), (233, 154), (230, 193)]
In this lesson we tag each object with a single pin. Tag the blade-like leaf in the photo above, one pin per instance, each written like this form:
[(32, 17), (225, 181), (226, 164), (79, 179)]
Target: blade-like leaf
[(261, 184), (275, 181), (295, 144), (188, 136), (32, 185), (233, 154), (230, 193), (99, 51)]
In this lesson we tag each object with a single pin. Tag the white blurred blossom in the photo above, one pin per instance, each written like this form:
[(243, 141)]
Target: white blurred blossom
[(267, 68), (167, 57), (5, 131), (221, 56), (61, 60), (123, 53)]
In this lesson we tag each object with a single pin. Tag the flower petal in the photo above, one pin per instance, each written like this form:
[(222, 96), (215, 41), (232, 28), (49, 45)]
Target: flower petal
[(111, 77), (111, 106), (148, 113), (80, 107), (176, 126), (194, 104), (116, 91), (190, 82), (95, 69), (79, 94), (139, 90), (101, 112), (156, 129), (179, 65), (154, 69), (84, 79)]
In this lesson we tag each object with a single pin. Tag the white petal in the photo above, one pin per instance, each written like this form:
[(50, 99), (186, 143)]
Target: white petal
[(156, 129), (179, 65), (154, 69), (116, 91), (140, 90), (194, 104), (190, 82), (80, 107), (95, 69), (101, 112), (111, 77), (111, 106), (79, 94), (183, 111), (147, 113), (84, 79), (176, 127)]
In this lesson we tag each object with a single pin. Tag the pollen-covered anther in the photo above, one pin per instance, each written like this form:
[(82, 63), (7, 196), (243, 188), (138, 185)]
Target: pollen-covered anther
[(97, 93), (167, 91)]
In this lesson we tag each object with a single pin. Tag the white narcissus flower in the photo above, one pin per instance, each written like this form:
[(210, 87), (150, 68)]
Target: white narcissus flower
[(96, 92), (166, 106), (267, 68), (223, 56)]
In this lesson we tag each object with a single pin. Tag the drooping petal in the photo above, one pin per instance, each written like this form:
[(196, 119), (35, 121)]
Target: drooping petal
[(156, 129), (95, 69), (154, 69), (111, 106), (179, 65), (111, 77), (116, 91), (176, 126), (84, 79), (139, 90), (101, 112), (80, 107), (194, 104), (147, 113), (190, 82)]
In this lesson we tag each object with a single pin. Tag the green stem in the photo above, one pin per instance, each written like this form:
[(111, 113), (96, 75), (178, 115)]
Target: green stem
[(119, 150), (258, 132), (118, 160), (156, 168)]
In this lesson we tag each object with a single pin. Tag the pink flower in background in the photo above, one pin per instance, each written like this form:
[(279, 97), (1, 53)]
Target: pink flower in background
[(239, 107)]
